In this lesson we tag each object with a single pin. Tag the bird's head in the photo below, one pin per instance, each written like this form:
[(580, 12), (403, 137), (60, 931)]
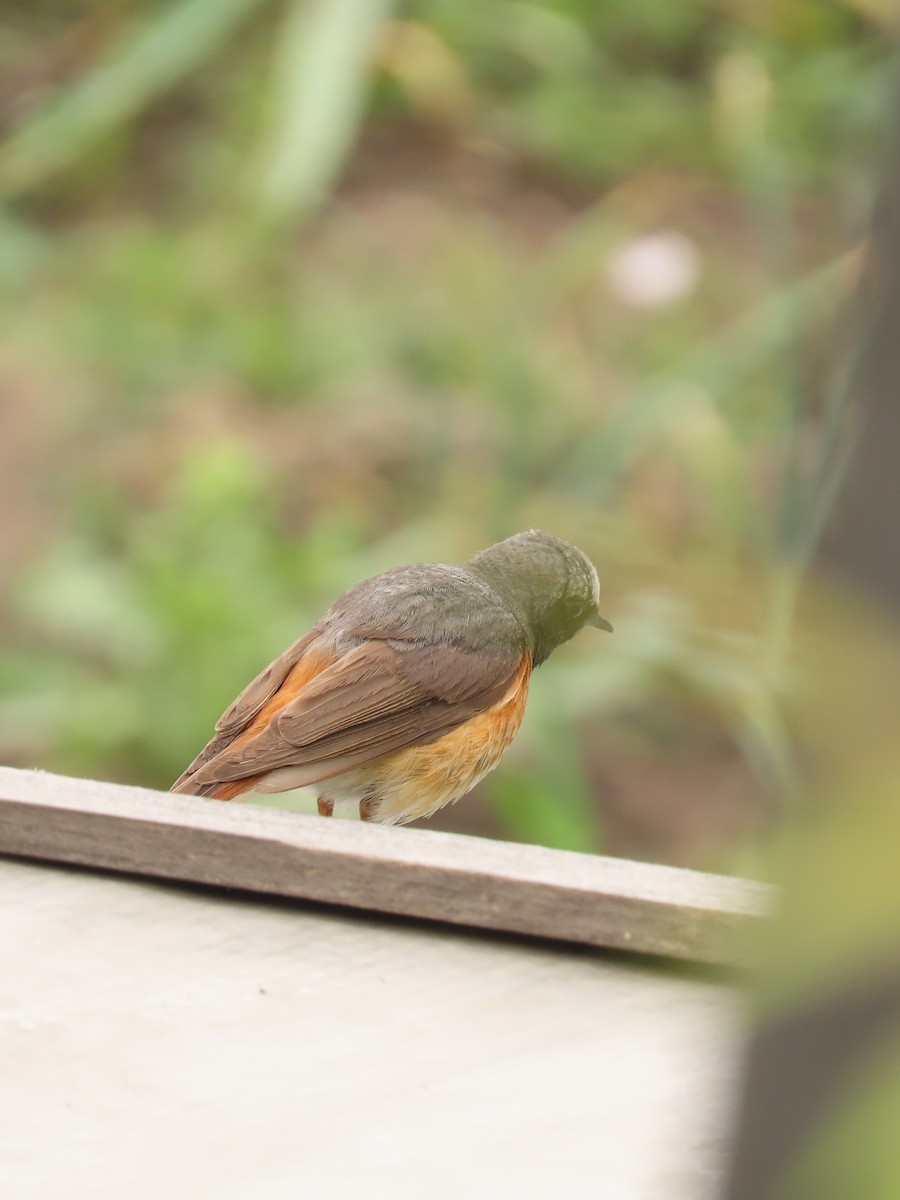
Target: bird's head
[(551, 585)]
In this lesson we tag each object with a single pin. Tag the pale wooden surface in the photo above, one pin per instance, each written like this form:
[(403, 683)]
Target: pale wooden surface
[(467, 881), (159, 1041)]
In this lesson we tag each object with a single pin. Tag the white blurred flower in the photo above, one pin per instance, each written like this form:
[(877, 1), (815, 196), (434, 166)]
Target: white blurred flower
[(655, 270)]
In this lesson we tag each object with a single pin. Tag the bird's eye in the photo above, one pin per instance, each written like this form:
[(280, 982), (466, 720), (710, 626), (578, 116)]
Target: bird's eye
[(577, 608)]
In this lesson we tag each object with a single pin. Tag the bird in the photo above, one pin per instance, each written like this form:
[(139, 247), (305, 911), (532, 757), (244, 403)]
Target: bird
[(409, 689)]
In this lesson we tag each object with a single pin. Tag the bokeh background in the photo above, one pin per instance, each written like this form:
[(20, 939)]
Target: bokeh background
[(294, 292)]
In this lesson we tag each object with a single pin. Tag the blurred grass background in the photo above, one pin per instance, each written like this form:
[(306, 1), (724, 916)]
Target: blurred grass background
[(294, 292)]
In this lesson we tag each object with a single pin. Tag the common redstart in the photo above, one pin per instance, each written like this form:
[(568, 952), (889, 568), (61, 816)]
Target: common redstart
[(409, 689)]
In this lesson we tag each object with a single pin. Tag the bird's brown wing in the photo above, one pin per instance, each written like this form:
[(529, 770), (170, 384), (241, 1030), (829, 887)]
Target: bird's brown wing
[(261, 689), (380, 697), (238, 715)]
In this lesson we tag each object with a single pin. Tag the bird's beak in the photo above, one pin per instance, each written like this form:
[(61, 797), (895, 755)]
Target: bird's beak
[(599, 622)]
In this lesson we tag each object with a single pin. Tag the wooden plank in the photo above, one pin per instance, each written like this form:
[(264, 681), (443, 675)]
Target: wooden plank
[(503, 886), (281, 1050)]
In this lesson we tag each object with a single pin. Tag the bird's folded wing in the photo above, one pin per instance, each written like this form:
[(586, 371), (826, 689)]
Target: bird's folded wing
[(238, 715), (378, 698), (241, 711)]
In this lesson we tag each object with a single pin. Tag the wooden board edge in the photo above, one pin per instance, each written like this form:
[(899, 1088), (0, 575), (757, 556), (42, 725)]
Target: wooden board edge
[(507, 887)]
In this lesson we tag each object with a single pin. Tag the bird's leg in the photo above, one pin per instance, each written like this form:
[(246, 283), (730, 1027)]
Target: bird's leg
[(325, 807), (367, 809)]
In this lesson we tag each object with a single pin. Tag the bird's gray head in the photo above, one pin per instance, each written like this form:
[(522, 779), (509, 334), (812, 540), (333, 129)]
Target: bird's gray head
[(549, 583)]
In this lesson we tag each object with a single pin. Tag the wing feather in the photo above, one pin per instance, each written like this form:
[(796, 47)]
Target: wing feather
[(382, 696), (238, 715)]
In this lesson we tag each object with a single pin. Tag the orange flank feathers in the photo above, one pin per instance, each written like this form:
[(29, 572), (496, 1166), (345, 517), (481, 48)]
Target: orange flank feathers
[(418, 781)]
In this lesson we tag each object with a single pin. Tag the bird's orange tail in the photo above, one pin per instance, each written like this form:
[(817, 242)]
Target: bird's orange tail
[(235, 787), (218, 791)]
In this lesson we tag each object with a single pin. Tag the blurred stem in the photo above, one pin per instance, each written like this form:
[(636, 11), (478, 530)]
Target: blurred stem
[(783, 596), (764, 733), (761, 170), (802, 499), (768, 189)]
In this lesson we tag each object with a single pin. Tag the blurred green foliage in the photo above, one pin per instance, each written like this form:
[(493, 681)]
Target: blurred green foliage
[(290, 293)]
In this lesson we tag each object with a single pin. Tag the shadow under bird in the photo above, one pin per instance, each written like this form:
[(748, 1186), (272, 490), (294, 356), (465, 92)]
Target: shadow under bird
[(410, 688)]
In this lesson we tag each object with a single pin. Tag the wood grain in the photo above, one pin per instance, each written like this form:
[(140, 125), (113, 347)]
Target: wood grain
[(467, 881)]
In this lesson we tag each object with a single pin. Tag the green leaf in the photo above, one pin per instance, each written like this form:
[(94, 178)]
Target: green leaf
[(321, 79), (153, 57)]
